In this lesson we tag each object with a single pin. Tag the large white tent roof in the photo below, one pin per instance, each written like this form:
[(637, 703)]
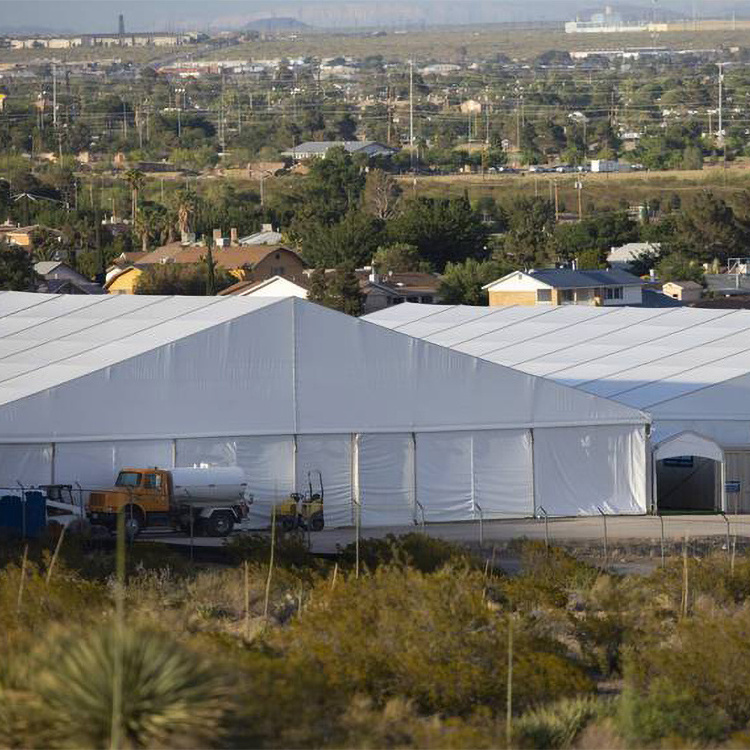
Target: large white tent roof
[(675, 363), (98, 368)]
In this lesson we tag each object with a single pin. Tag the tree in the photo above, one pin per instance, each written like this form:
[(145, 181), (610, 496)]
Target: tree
[(678, 267), (351, 241), (16, 269), (344, 291), (210, 264), (338, 291), (442, 229), (398, 258), (136, 179), (708, 229), (382, 194), (180, 279), (527, 242), (461, 283)]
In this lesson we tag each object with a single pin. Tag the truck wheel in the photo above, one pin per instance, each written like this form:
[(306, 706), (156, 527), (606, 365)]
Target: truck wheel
[(317, 523), (220, 524), (133, 521)]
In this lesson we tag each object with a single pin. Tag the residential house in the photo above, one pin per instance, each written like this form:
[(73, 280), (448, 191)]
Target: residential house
[(565, 286), (250, 263), (319, 149), (276, 286), (122, 280), (59, 278), (23, 236), (621, 257), (266, 236), (385, 290), (685, 291)]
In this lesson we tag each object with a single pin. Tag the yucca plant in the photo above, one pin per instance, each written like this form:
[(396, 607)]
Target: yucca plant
[(557, 725), (169, 696)]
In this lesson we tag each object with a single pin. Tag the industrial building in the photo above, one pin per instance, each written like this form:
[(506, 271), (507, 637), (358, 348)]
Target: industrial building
[(687, 368), (401, 429)]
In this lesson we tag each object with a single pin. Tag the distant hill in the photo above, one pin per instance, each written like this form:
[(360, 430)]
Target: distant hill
[(276, 24)]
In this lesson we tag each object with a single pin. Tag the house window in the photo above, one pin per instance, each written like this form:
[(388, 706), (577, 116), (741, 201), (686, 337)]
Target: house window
[(544, 296), (277, 271), (427, 299), (613, 292), (398, 300), (412, 299), (566, 296)]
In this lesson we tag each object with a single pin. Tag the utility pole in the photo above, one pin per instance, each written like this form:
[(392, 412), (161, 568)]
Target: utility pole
[(557, 204), (411, 112), (579, 188), (54, 94), (721, 101)]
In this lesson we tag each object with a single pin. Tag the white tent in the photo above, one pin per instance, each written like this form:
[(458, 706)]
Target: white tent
[(688, 368), (283, 387)]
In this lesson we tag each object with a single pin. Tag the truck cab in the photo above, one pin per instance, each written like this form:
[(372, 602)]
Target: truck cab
[(148, 498)]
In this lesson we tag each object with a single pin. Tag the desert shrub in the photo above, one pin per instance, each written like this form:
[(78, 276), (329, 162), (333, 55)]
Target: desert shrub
[(169, 695), (67, 597), (695, 682), (557, 725), (290, 550), (419, 551), (434, 639), (548, 578)]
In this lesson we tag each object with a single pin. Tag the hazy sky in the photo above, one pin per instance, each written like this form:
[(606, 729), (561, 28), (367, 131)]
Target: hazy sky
[(146, 15)]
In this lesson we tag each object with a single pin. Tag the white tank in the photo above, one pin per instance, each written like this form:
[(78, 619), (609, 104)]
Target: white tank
[(226, 483)]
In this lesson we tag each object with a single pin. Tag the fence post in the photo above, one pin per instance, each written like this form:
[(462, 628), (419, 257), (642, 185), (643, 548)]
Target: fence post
[(481, 524), (545, 516), (606, 545), (23, 510), (661, 521), (726, 520)]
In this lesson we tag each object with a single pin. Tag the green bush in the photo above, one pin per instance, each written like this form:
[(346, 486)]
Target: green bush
[(419, 551), (695, 683), (437, 640), (559, 724)]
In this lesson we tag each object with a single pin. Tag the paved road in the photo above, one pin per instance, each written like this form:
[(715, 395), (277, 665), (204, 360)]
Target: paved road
[(575, 530)]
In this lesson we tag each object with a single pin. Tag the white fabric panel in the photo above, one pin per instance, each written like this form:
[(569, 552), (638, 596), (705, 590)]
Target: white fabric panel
[(688, 444), (96, 465), (392, 383), (578, 470), (185, 374), (727, 433), (444, 476), (332, 456), (27, 464), (386, 479), (268, 463), (503, 473)]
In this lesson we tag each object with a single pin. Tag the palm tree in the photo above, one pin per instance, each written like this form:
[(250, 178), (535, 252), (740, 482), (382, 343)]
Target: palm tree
[(136, 179), (187, 204)]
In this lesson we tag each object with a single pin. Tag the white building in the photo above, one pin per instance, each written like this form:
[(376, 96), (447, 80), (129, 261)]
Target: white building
[(396, 425), (688, 368)]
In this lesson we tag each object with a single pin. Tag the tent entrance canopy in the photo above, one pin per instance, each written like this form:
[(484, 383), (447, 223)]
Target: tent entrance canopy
[(689, 443)]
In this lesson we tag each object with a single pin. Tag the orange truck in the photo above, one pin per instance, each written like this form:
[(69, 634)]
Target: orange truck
[(210, 500)]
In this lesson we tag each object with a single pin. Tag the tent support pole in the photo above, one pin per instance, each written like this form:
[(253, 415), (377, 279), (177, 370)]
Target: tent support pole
[(174, 453), (53, 451), (533, 474), (723, 486), (414, 476)]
